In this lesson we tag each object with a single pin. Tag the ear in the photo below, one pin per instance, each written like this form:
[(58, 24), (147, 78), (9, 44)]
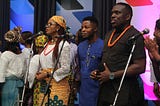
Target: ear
[(58, 27), (95, 29), (128, 17)]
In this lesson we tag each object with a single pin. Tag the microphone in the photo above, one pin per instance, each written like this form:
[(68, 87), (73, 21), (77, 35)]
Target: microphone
[(66, 36), (35, 35), (135, 37)]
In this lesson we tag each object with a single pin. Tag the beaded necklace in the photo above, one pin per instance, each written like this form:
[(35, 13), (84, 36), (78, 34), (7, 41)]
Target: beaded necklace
[(45, 50), (115, 41)]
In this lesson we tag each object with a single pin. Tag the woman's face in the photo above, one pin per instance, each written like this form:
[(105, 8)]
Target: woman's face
[(51, 27)]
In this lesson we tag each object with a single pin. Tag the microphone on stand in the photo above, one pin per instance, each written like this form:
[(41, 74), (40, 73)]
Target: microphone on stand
[(135, 37), (66, 36), (35, 35)]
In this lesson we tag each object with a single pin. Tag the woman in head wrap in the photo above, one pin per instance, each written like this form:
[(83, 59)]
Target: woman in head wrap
[(12, 69), (47, 59)]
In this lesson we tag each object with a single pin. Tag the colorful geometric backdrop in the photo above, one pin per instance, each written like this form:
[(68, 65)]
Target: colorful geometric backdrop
[(22, 14), (145, 13)]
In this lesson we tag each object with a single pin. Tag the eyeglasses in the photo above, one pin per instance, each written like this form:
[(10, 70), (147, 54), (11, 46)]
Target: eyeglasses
[(50, 24)]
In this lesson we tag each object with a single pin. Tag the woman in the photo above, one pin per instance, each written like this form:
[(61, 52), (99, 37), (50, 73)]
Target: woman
[(13, 67), (59, 85), (40, 43), (152, 46)]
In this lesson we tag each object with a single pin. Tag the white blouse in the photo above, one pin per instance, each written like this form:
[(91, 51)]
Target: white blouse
[(33, 68), (46, 61), (152, 75), (12, 65)]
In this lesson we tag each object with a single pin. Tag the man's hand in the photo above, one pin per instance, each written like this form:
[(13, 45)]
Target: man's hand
[(156, 90), (151, 45), (104, 76), (94, 74)]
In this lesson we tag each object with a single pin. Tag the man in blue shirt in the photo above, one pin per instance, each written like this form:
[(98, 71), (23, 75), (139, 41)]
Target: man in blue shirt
[(89, 53)]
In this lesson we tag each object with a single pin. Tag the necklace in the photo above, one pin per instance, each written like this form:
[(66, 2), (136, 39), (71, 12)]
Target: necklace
[(115, 41), (45, 50)]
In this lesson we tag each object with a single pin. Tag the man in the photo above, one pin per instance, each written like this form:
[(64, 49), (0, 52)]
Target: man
[(153, 50), (89, 53), (116, 52)]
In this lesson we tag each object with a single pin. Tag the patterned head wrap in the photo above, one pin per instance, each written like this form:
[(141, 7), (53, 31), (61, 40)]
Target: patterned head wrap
[(14, 35), (59, 20), (40, 41)]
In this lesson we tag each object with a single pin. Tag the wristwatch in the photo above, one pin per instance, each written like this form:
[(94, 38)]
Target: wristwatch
[(111, 76)]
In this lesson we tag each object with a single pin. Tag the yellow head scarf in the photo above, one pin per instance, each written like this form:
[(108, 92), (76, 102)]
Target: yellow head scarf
[(59, 20), (40, 41)]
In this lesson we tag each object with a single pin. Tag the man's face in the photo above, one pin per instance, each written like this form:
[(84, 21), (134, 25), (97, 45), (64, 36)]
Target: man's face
[(119, 16), (88, 29)]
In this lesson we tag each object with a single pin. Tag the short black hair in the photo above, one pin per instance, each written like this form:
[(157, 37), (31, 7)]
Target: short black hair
[(128, 8), (92, 19), (25, 35), (158, 24), (12, 46)]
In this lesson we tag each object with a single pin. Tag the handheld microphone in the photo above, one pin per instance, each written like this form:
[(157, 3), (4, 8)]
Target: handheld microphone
[(145, 31), (35, 35)]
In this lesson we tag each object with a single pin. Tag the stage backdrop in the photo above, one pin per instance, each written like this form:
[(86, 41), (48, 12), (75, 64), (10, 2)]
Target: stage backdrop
[(22, 13), (145, 13), (74, 11)]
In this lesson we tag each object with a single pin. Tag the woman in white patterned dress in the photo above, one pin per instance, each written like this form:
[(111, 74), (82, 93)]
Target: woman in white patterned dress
[(59, 89)]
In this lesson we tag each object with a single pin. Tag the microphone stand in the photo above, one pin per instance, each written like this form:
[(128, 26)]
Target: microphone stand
[(71, 81), (124, 73), (26, 76), (55, 67)]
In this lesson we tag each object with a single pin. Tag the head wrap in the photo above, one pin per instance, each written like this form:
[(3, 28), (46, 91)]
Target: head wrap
[(40, 41), (59, 20), (14, 35)]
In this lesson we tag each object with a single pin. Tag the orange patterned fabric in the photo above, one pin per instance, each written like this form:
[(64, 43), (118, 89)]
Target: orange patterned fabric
[(59, 20), (59, 92)]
